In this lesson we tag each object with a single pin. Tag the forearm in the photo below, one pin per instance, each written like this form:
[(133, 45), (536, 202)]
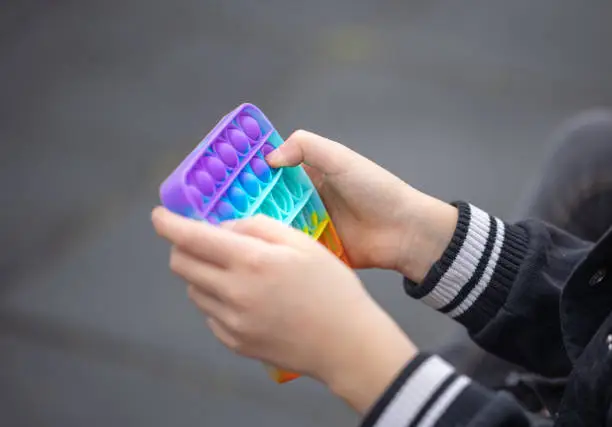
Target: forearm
[(369, 359)]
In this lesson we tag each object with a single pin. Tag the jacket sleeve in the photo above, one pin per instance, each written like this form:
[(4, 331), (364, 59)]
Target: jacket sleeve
[(503, 283), (429, 393)]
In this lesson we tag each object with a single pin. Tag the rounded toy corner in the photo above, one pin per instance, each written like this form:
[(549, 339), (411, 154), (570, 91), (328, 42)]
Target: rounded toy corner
[(162, 193), (251, 109), (247, 104), (172, 195)]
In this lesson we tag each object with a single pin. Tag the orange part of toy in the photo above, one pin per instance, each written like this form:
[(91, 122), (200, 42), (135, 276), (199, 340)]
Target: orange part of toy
[(329, 238)]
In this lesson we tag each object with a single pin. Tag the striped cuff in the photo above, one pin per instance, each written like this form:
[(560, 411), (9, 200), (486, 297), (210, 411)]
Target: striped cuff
[(427, 393), (472, 279)]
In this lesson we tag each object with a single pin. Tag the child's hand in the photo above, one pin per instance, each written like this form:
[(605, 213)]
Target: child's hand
[(272, 293), (381, 220)]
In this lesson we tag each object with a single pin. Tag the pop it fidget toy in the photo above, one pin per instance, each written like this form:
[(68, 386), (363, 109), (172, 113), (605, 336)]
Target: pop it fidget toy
[(226, 177)]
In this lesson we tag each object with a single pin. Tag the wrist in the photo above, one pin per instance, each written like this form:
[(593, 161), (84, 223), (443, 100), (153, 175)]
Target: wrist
[(426, 235), (378, 353)]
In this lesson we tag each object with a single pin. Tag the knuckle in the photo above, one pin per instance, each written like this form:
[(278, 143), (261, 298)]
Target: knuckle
[(242, 299), (289, 257), (259, 219), (180, 237), (234, 345), (238, 325), (175, 262), (266, 263), (256, 261), (234, 294), (244, 225), (193, 240), (239, 225), (188, 239), (299, 134)]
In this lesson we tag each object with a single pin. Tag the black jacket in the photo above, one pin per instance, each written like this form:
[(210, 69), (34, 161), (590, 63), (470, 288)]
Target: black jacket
[(529, 293)]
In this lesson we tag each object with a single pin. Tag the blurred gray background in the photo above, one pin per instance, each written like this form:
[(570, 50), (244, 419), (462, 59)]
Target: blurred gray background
[(100, 100)]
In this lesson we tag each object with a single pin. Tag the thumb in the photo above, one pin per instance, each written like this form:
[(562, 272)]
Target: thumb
[(325, 155)]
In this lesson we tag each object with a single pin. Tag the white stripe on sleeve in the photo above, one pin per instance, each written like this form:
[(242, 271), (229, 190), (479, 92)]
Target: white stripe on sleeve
[(464, 265), (439, 408), (486, 275), (415, 393)]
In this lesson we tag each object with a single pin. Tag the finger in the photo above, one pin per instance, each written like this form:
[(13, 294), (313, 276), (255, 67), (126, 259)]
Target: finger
[(207, 277), (209, 243), (315, 175), (223, 335), (265, 228), (305, 147), (207, 304)]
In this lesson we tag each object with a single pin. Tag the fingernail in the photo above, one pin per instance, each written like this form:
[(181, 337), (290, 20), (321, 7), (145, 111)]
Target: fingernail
[(275, 157)]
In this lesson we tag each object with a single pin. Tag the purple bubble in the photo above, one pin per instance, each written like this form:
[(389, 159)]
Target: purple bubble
[(227, 154), (225, 210), (261, 169), (193, 195), (215, 167), (250, 126), (267, 148), (204, 182), (249, 183), (239, 199), (238, 139)]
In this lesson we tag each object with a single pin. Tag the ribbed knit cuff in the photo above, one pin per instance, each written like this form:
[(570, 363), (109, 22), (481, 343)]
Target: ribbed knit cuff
[(472, 279), (428, 392)]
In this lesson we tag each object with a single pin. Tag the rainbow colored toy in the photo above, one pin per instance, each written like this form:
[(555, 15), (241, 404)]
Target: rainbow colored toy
[(226, 177)]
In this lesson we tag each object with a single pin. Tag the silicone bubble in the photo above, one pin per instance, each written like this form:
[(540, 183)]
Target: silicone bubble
[(293, 186), (249, 183), (238, 198), (227, 154), (225, 211), (204, 182), (261, 169), (215, 167), (282, 199), (267, 148), (305, 219), (193, 195), (299, 222), (250, 126), (270, 209), (239, 140)]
